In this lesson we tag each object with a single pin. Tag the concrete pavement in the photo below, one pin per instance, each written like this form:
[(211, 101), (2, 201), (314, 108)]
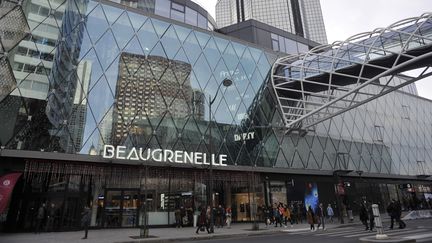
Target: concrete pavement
[(157, 235)]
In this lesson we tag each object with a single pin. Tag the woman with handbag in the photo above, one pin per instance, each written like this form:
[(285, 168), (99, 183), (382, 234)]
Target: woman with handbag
[(203, 223)]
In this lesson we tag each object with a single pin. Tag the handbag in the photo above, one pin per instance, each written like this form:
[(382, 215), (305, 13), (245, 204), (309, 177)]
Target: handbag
[(202, 229)]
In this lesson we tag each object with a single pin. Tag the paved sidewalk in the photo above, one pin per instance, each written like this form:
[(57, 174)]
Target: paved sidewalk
[(159, 234)]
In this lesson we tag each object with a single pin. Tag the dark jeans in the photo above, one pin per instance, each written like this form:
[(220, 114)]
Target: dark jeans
[(371, 224), (400, 222), (392, 219), (38, 225), (321, 221), (278, 221), (365, 223), (85, 227)]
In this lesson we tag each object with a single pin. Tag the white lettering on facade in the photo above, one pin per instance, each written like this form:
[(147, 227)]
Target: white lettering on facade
[(168, 155), (244, 136), (159, 153), (133, 154), (164, 155), (141, 152), (188, 157), (121, 150), (108, 149), (223, 158), (178, 156)]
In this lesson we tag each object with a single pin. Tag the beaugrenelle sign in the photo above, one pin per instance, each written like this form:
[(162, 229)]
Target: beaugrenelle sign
[(163, 155)]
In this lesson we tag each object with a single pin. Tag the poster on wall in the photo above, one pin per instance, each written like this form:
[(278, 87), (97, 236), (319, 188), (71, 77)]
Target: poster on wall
[(311, 196)]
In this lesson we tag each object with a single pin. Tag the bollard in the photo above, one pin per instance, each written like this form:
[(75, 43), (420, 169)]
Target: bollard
[(378, 223)]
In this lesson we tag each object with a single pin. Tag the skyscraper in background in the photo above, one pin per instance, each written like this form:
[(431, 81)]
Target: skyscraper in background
[(303, 18)]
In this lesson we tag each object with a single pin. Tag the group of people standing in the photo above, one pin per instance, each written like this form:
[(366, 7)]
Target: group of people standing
[(46, 218), (394, 210), (219, 215), (279, 214)]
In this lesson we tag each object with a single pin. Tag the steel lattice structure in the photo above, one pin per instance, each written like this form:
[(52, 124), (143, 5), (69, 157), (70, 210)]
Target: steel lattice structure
[(13, 28), (331, 79)]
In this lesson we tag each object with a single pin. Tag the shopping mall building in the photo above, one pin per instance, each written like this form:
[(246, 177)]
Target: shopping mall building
[(120, 105)]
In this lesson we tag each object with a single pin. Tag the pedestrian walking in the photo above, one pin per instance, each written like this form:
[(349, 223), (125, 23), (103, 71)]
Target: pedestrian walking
[(268, 214), (85, 220), (220, 212), (203, 221), (330, 212), (40, 217), (51, 213), (228, 215), (364, 215), (320, 216), (278, 214), (294, 215), (287, 216), (177, 217), (398, 213), (310, 216), (371, 216), (300, 213)]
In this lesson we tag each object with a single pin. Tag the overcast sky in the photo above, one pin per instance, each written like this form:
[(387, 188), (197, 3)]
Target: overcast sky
[(344, 18)]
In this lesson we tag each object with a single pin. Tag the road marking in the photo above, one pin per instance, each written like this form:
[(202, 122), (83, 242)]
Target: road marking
[(340, 232), (424, 240), (403, 231), (296, 230), (418, 236)]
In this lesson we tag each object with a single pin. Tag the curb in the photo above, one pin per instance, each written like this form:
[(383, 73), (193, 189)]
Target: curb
[(222, 236), (207, 237)]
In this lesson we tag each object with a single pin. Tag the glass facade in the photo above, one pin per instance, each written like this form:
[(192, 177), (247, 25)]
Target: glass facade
[(186, 11), (94, 73)]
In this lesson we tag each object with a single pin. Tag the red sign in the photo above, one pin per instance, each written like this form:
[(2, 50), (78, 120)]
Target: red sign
[(7, 184)]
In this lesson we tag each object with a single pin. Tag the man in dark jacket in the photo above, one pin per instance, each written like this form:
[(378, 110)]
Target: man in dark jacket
[(391, 213), (85, 220), (371, 216), (320, 216), (40, 217), (397, 208), (364, 215)]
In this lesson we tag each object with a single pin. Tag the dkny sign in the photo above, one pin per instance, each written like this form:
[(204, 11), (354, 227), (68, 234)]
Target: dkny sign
[(244, 136)]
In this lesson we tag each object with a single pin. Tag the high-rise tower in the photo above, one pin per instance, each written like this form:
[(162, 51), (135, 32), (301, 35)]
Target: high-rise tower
[(303, 18)]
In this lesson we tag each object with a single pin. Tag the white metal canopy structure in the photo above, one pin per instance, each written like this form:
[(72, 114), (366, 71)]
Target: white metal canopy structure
[(331, 79)]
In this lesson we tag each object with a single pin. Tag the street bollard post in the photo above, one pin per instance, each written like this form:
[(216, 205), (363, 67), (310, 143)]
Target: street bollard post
[(378, 223)]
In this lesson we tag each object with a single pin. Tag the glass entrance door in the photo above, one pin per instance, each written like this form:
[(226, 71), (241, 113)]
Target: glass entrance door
[(121, 207), (130, 206)]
